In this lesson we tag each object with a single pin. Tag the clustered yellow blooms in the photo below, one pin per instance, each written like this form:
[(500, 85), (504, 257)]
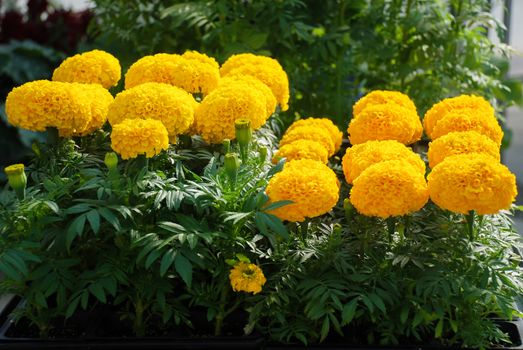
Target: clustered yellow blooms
[(324, 123), (172, 106), (247, 277), (41, 104), (309, 132), (360, 157), (92, 67), (194, 72), (472, 181), (468, 120), (461, 142), (265, 69), (241, 80), (302, 149), (378, 97), (134, 137), (389, 188), (385, 121), (309, 184)]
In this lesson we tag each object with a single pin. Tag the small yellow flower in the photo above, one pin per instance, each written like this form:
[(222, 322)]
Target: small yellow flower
[(14, 169), (92, 67), (472, 181), (474, 104), (390, 188), (134, 137), (462, 142), (246, 277), (336, 134)]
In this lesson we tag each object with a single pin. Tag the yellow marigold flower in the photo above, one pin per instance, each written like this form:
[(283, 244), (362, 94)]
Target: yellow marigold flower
[(247, 277), (389, 188), (468, 120), (387, 121), (172, 106), (336, 134), (203, 58), (472, 181), (378, 97), (460, 143), (309, 132), (100, 99), (275, 78), (92, 67), (193, 73), (40, 104), (477, 104), (302, 149), (133, 137), (242, 79), (360, 157), (216, 114), (242, 59), (309, 184)]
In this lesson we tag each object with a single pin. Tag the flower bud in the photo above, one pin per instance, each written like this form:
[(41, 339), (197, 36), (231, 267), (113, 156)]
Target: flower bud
[(348, 207), (17, 179), (232, 164), (111, 161), (243, 136), (226, 146), (263, 154)]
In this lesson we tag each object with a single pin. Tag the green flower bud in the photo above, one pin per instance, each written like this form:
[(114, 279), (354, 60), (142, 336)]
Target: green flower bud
[(111, 161), (243, 136), (232, 164), (226, 146), (263, 154), (348, 207), (17, 179)]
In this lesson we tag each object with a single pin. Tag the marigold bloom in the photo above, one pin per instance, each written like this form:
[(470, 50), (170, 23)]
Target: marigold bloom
[(389, 188), (275, 78), (92, 67), (360, 157), (378, 97), (473, 104), (203, 58), (472, 181), (460, 143), (309, 132), (40, 104), (387, 121), (242, 59), (134, 137), (468, 120), (302, 149), (194, 72), (172, 106), (247, 277), (247, 79), (217, 113), (336, 134), (309, 184), (100, 99)]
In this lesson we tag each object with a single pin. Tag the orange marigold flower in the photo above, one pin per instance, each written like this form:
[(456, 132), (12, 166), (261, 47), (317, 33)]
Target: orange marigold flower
[(302, 149), (134, 137), (336, 134), (270, 100), (309, 132), (378, 97)]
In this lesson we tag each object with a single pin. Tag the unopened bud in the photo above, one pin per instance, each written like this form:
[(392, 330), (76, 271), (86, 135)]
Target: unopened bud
[(17, 179), (232, 164), (111, 160)]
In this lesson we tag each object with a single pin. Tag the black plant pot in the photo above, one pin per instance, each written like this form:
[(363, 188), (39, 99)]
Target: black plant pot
[(9, 303)]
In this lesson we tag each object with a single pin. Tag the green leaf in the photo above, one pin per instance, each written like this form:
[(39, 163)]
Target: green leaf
[(98, 292), (404, 313), (9, 271), (84, 300), (152, 258), (184, 268), (72, 307), (40, 299), (167, 261), (12, 258), (349, 310), (276, 205), (94, 220), (324, 329), (110, 217), (376, 300), (75, 229), (439, 329), (53, 206), (243, 258)]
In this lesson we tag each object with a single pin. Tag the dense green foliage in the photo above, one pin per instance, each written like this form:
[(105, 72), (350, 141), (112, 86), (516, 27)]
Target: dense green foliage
[(334, 51)]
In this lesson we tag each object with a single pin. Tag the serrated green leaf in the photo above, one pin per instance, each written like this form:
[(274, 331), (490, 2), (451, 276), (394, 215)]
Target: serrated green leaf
[(184, 269), (98, 292), (276, 205), (349, 310), (94, 220), (72, 307), (75, 229), (167, 261), (110, 218), (324, 329), (155, 254)]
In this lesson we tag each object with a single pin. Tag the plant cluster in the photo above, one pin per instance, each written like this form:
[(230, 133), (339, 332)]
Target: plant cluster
[(184, 219)]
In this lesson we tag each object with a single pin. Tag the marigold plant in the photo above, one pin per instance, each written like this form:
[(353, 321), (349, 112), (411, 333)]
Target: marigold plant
[(194, 72), (302, 149), (309, 184), (275, 78), (216, 114), (473, 104), (40, 104), (462, 142), (172, 106), (270, 100), (336, 134), (309, 132), (472, 181), (134, 137), (92, 67), (389, 188), (387, 121), (247, 277), (468, 120), (360, 157), (378, 97)]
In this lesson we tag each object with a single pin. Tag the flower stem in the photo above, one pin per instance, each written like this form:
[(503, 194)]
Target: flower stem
[(52, 136), (391, 227), (218, 325), (471, 216)]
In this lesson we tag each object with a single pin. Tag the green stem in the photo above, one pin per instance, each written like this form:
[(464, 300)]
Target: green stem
[(471, 216), (142, 161), (305, 227), (391, 226), (52, 136), (221, 314), (138, 326)]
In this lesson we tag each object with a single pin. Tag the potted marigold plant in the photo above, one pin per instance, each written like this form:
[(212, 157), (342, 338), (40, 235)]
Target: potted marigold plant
[(174, 214)]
